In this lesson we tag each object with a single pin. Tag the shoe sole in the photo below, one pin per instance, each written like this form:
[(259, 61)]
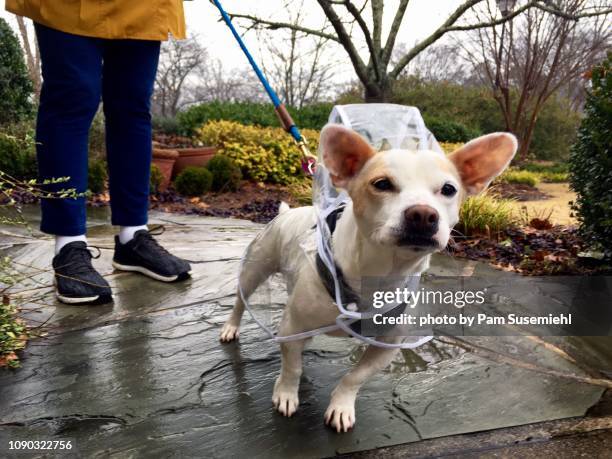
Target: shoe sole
[(82, 300), (149, 273), (85, 300)]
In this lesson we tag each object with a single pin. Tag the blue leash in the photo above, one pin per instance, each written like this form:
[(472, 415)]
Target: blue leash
[(308, 159)]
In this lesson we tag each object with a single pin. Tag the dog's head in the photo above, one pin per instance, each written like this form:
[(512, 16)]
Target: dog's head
[(411, 199)]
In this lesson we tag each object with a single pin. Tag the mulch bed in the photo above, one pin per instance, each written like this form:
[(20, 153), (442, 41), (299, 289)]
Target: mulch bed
[(253, 202), (518, 192), (558, 250)]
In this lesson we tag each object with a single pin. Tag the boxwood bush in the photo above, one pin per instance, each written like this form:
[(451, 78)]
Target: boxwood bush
[(226, 173), (193, 181), (591, 161)]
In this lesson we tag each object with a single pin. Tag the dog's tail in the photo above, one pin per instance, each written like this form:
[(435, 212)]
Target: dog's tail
[(284, 207)]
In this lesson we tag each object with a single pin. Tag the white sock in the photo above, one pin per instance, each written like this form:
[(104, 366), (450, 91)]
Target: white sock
[(61, 241), (126, 233)]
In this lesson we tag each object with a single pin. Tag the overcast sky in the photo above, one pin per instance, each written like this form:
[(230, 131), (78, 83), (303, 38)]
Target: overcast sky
[(422, 17)]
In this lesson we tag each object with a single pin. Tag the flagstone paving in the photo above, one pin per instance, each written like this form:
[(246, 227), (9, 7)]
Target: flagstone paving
[(147, 377)]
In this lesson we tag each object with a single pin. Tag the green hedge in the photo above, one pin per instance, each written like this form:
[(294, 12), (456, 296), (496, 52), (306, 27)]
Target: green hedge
[(591, 160), (450, 131), (250, 113), (309, 117), (18, 152), (15, 84)]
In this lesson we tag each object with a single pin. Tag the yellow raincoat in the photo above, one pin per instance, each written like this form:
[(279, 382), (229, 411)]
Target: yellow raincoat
[(136, 19)]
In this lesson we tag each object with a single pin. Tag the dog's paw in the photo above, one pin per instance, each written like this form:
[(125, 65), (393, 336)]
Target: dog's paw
[(285, 399), (340, 414), (229, 332)]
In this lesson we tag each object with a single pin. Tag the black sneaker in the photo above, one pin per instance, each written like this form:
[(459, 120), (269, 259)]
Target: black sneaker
[(143, 254), (76, 280)]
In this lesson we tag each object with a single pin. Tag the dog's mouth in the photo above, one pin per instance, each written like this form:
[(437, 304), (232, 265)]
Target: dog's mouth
[(418, 242)]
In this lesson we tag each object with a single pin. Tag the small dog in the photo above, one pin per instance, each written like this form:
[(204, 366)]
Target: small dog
[(403, 207)]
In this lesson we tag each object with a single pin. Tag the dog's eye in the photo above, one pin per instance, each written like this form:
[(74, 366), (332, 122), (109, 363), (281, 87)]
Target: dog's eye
[(383, 184), (448, 190)]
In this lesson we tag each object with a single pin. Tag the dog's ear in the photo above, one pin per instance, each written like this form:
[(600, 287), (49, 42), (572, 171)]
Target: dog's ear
[(344, 153), (481, 160)]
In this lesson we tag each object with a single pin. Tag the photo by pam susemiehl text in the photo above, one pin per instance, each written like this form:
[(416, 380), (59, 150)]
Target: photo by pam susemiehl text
[(484, 306)]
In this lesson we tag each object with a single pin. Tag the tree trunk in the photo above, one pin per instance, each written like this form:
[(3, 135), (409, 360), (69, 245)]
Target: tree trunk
[(377, 92), (524, 139)]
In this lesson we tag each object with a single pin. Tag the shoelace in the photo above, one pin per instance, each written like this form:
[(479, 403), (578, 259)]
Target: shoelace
[(149, 243), (80, 261)]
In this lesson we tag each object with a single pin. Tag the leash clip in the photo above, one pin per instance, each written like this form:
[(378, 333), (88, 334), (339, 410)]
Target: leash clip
[(309, 161)]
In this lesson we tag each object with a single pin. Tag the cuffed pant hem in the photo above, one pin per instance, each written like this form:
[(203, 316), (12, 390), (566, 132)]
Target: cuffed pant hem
[(63, 231), (129, 221)]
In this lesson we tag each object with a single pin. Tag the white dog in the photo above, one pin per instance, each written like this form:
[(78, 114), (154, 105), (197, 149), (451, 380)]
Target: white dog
[(404, 206)]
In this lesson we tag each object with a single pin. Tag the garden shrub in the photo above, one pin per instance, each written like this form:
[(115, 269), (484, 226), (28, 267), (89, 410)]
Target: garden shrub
[(485, 214), (263, 154), (166, 125), (591, 161), (555, 130), (519, 177), (15, 84), (194, 181), (544, 166), (251, 114), (97, 176), (97, 137), (548, 172), (155, 180), (445, 130), (449, 147), (554, 177), (226, 174), (13, 332), (18, 152)]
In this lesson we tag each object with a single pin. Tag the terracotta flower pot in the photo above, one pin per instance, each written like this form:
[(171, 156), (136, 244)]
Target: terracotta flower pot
[(198, 156), (164, 160)]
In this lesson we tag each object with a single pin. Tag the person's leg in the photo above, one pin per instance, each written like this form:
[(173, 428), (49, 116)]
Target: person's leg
[(127, 85), (69, 99), (128, 78), (70, 96)]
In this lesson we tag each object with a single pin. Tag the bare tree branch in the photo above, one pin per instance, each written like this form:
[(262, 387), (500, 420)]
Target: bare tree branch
[(395, 26), (345, 40), (275, 25), (533, 57), (373, 44)]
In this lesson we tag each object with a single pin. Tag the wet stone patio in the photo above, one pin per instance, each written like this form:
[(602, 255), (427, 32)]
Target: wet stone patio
[(147, 376)]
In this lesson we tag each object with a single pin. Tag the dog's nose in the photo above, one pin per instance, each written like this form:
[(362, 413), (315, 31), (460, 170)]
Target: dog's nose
[(422, 220)]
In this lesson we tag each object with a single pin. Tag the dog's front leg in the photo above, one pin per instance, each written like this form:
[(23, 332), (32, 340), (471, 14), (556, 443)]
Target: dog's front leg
[(340, 414), (285, 395)]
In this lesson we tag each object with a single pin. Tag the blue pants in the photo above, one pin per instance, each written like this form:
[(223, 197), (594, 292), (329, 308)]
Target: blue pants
[(78, 72)]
